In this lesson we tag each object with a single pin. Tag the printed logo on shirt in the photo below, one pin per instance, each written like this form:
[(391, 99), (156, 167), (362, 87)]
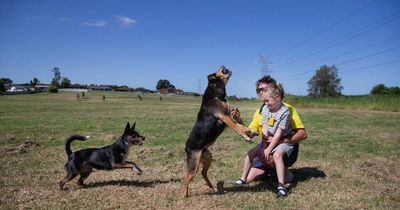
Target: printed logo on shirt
[(271, 121)]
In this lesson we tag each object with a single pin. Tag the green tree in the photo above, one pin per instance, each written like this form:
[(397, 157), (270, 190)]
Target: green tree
[(325, 82), (163, 83), (394, 90), (57, 77), (4, 81), (379, 89), (34, 82), (382, 89), (2, 87), (65, 82)]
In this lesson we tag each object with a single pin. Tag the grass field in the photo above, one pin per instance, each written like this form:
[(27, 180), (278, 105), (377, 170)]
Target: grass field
[(362, 102), (349, 161)]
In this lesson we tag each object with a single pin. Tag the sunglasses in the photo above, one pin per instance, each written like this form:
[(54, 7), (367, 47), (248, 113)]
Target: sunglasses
[(259, 90)]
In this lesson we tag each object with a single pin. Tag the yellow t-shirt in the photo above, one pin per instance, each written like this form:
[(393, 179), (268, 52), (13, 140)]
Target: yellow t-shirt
[(295, 121)]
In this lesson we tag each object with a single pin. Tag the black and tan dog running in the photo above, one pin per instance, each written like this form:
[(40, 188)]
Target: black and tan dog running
[(213, 117), (110, 157)]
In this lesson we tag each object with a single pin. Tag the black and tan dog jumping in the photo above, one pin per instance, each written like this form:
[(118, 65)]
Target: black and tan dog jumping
[(110, 157), (213, 117)]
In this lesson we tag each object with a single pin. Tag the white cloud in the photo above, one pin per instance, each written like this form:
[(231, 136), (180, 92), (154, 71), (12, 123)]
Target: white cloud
[(125, 21), (97, 23)]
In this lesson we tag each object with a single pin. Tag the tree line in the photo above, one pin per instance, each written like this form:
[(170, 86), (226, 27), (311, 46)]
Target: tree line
[(325, 83), (63, 82)]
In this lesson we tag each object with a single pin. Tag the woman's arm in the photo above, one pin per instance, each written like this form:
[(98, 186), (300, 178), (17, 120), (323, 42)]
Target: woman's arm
[(300, 135)]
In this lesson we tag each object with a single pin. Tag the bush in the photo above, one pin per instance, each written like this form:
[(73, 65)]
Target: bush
[(52, 89), (382, 89)]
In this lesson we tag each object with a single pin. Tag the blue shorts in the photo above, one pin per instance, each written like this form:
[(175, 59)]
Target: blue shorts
[(257, 163)]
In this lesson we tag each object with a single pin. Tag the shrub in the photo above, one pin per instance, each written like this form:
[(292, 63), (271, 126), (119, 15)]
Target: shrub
[(52, 89), (382, 89)]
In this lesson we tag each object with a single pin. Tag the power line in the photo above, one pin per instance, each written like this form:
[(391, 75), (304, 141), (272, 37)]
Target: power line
[(328, 28), (337, 42), (340, 41), (347, 53), (355, 69), (368, 67), (348, 61), (367, 56)]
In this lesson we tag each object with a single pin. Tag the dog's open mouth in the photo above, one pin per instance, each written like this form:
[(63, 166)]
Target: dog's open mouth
[(226, 72)]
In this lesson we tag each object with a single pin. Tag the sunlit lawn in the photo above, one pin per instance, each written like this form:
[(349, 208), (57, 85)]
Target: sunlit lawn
[(349, 161)]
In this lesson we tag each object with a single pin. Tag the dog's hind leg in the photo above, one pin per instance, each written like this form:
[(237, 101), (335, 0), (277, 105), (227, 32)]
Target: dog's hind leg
[(206, 159), (85, 172), (67, 178), (193, 163)]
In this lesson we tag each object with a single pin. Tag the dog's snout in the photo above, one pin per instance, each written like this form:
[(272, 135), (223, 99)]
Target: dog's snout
[(225, 71)]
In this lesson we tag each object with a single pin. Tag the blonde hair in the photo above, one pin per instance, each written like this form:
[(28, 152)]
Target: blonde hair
[(275, 89)]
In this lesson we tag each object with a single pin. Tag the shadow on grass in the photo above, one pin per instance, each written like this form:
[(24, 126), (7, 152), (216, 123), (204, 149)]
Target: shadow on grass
[(270, 182), (131, 183)]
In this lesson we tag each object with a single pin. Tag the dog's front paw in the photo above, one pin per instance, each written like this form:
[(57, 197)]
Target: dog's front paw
[(250, 141), (251, 134), (137, 170), (245, 137)]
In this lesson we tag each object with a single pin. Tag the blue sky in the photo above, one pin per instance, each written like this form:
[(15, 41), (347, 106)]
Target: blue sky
[(136, 43)]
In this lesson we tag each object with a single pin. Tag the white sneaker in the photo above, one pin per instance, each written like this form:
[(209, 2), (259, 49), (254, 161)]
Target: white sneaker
[(240, 182)]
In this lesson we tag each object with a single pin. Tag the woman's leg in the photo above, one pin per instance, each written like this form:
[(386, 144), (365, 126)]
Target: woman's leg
[(254, 173), (288, 175), (246, 168), (251, 154)]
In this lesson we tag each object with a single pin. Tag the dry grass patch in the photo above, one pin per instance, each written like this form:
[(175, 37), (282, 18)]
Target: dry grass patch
[(349, 160)]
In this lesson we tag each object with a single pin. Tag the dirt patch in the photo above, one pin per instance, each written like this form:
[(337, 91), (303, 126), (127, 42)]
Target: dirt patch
[(149, 152), (22, 148), (380, 169), (109, 137), (11, 137), (223, 148), (382, 176)]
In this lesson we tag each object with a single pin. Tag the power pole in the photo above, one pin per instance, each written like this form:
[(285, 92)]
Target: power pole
[(263, 61)]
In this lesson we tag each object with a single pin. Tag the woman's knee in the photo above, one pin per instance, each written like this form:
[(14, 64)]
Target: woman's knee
[(254, 174)]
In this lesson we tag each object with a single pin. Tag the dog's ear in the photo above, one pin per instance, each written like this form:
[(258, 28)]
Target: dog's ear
[(211, 77), (127, 128), (133, 126)]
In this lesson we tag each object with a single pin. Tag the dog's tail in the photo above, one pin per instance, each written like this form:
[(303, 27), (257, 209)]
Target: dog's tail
[(71, 139)]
